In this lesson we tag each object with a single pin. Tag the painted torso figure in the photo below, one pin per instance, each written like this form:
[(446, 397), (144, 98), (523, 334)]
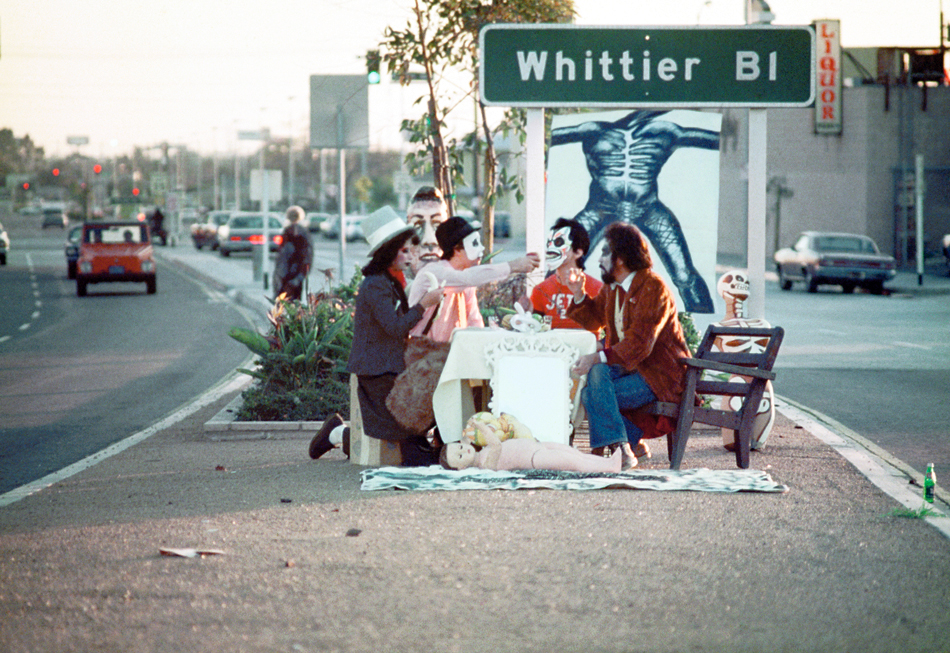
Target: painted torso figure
[(624, 159)]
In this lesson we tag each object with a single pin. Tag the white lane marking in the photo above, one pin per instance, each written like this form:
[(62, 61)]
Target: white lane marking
[(24, 327), (912, 345), (4, 338), (233, 382)]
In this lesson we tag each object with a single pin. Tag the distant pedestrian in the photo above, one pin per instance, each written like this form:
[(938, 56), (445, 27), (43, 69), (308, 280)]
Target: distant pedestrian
[(293, 258)]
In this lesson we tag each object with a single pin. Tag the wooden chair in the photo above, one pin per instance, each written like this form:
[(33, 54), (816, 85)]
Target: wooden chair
[(755, 368)]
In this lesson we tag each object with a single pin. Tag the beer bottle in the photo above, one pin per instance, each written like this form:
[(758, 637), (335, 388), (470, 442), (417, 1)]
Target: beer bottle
[(930, 483)]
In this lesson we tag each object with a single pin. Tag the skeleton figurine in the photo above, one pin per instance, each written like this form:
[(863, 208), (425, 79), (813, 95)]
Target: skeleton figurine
[(733, 287)]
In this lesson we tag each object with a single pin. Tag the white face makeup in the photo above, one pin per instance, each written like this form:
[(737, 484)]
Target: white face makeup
[(405, 258), (473, 246), (558, 247)]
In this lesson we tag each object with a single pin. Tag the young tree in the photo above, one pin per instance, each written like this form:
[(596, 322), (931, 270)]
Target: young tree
[(442, 39)]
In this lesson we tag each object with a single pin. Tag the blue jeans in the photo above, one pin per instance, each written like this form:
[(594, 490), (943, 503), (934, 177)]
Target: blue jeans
[(609, 389)]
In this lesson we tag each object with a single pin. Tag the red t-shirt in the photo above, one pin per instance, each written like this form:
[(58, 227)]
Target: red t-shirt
[(551, 297)]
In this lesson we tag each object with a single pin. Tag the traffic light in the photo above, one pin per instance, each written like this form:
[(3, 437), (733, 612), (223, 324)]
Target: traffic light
[(26, 185), (372, 66), (135, 192), (97, 168), (56, 172)]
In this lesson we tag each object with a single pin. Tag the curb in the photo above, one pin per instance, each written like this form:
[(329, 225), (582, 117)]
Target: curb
[(889, 474)]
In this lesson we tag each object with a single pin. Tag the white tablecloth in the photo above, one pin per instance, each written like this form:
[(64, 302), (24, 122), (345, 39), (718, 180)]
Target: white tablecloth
[(452, 400)]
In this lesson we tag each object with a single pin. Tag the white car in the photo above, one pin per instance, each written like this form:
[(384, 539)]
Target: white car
[(330, 228), (4, 245)]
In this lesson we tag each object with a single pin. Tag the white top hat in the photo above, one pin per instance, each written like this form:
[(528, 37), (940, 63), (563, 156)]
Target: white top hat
[(383, 225)]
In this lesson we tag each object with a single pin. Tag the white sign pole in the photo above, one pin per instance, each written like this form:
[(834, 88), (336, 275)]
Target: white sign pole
[(755, 239), (535, 240)]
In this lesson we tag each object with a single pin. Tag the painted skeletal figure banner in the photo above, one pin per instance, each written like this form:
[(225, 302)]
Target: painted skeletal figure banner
[(658, 170)]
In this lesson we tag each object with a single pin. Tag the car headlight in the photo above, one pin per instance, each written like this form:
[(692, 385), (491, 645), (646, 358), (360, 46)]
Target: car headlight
[(148, 266), (85, 267)]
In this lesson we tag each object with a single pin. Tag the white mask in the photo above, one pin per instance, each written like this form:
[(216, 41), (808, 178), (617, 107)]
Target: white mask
[(559, 244), (473, 246)]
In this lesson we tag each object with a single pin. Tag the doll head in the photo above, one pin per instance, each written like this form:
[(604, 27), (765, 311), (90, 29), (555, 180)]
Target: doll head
[(457, 455)]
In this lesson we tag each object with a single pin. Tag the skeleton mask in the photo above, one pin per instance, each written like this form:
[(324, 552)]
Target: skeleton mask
[(733, 283), (559, 245)]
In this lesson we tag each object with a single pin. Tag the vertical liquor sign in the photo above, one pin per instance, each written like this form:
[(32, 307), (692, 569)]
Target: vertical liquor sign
[(828, 116)]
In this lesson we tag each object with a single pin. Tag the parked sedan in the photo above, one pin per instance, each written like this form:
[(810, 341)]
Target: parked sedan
[(847, 260), (206, 232), (244, 230)]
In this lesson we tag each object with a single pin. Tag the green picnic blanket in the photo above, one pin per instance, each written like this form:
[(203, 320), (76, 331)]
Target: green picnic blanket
[(695, 480)]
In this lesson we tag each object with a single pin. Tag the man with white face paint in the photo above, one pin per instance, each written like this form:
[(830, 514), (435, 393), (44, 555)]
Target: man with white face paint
[(426, 212), (566, 250), (459, 272)]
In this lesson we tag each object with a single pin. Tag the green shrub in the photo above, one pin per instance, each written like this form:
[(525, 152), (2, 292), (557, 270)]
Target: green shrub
[(301, 365)]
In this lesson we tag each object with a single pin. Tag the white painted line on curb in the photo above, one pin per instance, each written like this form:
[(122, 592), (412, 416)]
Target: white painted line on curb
[(881, 473)]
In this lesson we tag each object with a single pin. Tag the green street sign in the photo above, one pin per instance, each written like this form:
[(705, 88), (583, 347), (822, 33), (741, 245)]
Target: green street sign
[(757, 66)]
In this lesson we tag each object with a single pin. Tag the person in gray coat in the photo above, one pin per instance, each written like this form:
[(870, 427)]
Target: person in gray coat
[(382, 321)]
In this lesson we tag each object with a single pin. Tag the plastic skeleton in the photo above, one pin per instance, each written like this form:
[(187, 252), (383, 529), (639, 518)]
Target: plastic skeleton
[(733, 287)]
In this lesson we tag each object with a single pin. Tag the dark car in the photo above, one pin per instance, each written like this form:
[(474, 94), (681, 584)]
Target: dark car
[(846, 260), (206, 232), (54, 217), (115, 251), (946, 251), (71, 249)]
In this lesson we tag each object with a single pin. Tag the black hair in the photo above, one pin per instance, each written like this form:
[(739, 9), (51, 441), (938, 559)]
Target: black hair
[(579, 237)]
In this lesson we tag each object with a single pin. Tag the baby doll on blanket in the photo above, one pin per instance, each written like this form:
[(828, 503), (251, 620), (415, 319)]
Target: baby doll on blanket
[(518, 452)]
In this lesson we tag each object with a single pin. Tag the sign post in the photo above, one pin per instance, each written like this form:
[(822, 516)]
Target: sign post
[(758, 66)]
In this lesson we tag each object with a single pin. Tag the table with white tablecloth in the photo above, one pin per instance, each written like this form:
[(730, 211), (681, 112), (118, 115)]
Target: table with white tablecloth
[(546, 359)]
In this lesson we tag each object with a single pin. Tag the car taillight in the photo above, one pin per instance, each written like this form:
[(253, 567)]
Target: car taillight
[(256, 239), (237, 238), (278, 239)]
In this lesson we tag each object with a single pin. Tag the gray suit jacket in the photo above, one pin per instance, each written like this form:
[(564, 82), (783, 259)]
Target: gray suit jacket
[(380, 329)]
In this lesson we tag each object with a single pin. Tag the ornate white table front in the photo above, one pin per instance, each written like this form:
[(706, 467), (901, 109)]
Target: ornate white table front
[(530, 377)]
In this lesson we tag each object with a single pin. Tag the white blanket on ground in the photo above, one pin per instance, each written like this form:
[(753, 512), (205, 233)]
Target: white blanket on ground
[(696, 480)]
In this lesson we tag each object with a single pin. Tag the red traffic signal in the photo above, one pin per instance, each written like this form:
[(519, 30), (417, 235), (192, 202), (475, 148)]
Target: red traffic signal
[(26, 185), (56, 172), (97, 168), (135, 191)]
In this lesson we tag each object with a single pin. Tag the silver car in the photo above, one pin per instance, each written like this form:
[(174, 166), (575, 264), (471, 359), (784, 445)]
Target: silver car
[(243, 230)]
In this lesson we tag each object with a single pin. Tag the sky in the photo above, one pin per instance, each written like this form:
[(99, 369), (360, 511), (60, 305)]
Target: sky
[(126, 73)]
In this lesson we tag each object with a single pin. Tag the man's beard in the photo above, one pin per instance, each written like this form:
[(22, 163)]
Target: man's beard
[(607, 276)]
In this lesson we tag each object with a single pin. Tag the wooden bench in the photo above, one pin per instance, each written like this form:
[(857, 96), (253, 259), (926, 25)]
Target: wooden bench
[(756, 369)]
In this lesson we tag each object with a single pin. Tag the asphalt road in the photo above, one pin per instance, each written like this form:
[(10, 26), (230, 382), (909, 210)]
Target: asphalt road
[(78, 374)]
